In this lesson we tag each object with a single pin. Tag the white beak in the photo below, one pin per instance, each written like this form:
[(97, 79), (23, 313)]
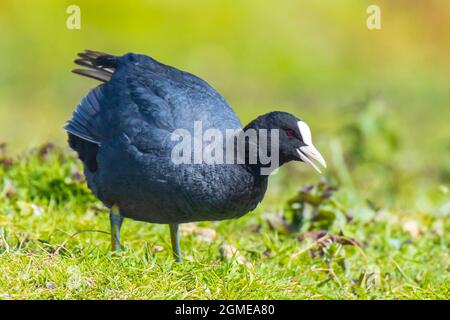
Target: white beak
[(309, 153)]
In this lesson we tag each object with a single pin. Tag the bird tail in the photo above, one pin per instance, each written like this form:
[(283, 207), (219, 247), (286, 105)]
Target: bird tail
[(101, 66), (86, 122)]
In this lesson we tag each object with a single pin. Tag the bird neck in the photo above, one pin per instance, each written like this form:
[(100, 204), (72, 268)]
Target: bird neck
[(260, 146)]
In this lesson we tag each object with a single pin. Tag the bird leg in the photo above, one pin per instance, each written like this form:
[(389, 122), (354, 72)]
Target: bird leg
[(116, 223), (174, 237)]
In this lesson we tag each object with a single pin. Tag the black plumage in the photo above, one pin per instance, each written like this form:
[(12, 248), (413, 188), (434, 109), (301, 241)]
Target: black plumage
[(121, 131)]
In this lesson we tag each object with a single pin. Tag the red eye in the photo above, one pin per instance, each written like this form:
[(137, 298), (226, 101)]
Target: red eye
[(290, 133)]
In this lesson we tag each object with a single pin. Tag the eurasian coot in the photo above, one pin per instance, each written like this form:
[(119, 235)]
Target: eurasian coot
[(123, 131)]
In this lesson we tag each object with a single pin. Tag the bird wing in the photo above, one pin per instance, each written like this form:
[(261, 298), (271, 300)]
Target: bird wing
[(146, 100), (167, 97)]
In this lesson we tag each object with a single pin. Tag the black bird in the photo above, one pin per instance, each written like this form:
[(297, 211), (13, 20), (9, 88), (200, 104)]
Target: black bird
[(122, 133)]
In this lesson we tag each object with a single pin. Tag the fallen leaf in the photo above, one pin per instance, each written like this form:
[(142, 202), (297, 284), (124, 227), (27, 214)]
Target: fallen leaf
[(202, 233), (254, 227), (279, 223), (231, 253), (157, 248), (412, 227)]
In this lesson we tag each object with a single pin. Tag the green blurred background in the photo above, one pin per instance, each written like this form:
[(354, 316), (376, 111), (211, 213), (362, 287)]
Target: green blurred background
[(378, 101)]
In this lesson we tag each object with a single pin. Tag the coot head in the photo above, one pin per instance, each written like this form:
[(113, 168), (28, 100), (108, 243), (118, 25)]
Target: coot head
[(295, 139)]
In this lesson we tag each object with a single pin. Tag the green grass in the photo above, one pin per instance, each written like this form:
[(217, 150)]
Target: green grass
[(378, 105), (54, 245)]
